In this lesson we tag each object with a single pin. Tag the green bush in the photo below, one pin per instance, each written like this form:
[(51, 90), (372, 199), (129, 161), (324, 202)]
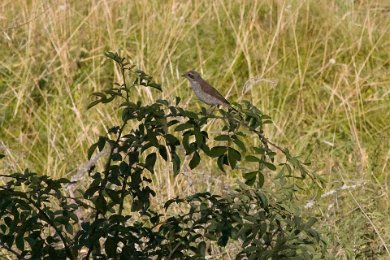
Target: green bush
[(113, 217)]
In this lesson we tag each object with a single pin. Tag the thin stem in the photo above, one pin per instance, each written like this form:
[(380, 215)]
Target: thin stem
[(103, 185), (123, 195), (106, 172), (124, 81), (121, 205)]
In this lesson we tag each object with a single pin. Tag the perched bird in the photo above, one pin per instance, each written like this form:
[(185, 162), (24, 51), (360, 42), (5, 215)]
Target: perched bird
[(204, 91)]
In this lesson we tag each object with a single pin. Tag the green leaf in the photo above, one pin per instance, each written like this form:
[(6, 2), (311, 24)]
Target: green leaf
[(137, 205), (113, 56), (168, 203), (163, 152), (270, 166), (210, 236), (195, 160), (93, 103), (163, 102), (222, 138), (199, 138), (124, 168), (202, 249), (250, 177), (239, 143), (221, 161), (261, 179), (19, 241), (3, 228), (101, 142), (251, 158), (259, 150), (8, 221), (190, 114), (172, 122), (150, 161), (116, 157), (91, 149), (110, 247), (114, 195), (175, 164), (183, 126), (263, 199), (92, 189), (101, 204), (233, 157), (217, 151), (186, 142), (303, 171), (172, 140), (222, 241), (133, 157), (155, 85), (69, 228)]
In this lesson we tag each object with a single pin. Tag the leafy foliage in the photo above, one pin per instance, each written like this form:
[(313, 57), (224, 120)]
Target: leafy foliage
[(39, 219)]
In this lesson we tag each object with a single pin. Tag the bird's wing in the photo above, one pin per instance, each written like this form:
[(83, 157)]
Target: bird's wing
[(206, 87)]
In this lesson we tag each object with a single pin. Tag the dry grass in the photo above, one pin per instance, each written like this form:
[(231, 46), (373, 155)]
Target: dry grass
[(331, 60)]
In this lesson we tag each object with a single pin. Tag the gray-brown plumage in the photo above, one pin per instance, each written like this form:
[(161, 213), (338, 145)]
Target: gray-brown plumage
[(204, 91)]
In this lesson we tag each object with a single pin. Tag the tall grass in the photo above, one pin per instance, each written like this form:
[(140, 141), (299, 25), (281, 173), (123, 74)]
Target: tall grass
[(331, 103)]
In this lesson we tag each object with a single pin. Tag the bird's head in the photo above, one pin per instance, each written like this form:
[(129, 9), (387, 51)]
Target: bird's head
[(192, 76)]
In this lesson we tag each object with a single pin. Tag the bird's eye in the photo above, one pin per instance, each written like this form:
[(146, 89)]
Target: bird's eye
[(190, 75)]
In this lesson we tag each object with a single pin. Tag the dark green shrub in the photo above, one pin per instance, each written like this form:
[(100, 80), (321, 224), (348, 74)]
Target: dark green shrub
[(113, 218)]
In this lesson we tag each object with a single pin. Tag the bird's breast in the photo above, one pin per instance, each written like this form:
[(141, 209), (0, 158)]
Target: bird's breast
[(197, 89)]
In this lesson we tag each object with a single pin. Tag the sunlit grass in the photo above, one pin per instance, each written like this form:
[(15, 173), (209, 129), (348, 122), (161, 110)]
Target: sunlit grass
[(330, 59)]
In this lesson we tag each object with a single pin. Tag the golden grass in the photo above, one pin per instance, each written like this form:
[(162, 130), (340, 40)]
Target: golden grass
[(331, 60)]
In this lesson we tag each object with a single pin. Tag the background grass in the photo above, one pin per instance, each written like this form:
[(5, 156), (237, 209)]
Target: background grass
[(331, 61)]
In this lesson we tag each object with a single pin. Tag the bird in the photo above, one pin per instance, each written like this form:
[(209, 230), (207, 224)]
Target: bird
[(204, 91)]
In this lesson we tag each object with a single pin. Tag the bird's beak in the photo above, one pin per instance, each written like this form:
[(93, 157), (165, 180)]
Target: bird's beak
[(183, 75)]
